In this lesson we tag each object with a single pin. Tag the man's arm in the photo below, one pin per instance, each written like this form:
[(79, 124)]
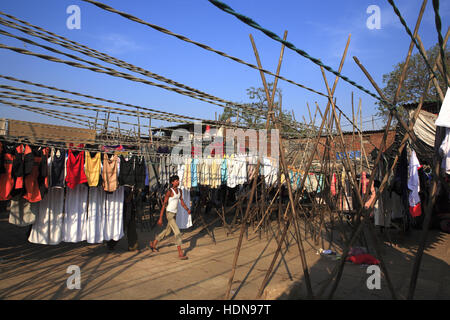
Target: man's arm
[(166, 198)]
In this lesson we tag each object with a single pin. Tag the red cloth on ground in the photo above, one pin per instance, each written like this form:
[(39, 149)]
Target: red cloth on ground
[(416, 210), (363, 259)]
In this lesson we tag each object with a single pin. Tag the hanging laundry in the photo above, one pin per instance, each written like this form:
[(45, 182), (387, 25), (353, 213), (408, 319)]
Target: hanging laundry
[(163, 174), (75, 214), (299, 178), (206, 171), (75, 168), (444, 151), (443, 119), (187, 179), (6, 177), (213, 173), (320, 182), (93, 168), (35, 183), (267, 168), (109, 173), (414, 186), (183, 218), (333, 185), (95, 223), (252, 161), (364, 182), (140, 170), (57, 168), (21, 212), (151, 167), (127, 175), (194, 173), (180, 171), (223, 171), (22, 164), (231, 171), (47, 229), (113, 227)]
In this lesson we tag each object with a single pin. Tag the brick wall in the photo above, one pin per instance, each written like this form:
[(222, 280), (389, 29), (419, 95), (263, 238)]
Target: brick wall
[(353, 144)]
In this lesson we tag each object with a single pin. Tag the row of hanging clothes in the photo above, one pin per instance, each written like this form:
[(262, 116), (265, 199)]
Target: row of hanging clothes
[(313, 184), (214, 172), (401, 199), (69, 195)]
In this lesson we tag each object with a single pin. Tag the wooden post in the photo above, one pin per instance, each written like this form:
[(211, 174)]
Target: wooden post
[(150, 132), (360, 200), (252, 192), (341, 265)]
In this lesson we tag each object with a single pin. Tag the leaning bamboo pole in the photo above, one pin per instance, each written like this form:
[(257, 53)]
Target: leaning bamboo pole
[(252, 192)]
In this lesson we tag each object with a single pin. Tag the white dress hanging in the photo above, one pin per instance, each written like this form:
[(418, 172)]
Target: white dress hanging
[(22, 213), (183, 218), (74, 226), (47, 228), (96, 215), (113, 207), (413, 180), (444, 151)]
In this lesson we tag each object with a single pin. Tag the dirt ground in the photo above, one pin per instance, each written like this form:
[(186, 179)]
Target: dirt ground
[(30, 271)]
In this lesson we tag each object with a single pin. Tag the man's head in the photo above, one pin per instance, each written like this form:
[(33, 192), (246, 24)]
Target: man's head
[(174, 181)]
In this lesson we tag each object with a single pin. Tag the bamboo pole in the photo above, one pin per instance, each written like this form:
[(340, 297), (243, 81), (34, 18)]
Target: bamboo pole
[(309, 289), (341, 265), (360, 200), (428, 210), (284, 167), (252, 192)]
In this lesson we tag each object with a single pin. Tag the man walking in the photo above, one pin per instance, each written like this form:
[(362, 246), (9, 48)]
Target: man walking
[(171, 199)]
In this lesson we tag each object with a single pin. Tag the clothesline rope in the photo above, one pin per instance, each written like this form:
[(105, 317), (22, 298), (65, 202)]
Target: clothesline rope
[(104, 57), (224, 7), (203, 46), (108, 59), (5, 22)]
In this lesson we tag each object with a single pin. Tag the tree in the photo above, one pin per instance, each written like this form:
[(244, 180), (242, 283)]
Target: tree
[(258, 100), (417, 77)]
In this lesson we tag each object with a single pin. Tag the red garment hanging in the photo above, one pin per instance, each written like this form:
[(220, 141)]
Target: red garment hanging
[(75, 169), (22, 164), (32, 191), (364, 182), (333, 184), (6, 178), (415, 211)]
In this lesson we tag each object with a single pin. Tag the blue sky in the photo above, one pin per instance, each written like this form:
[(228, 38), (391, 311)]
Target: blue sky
[(320, 28)]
